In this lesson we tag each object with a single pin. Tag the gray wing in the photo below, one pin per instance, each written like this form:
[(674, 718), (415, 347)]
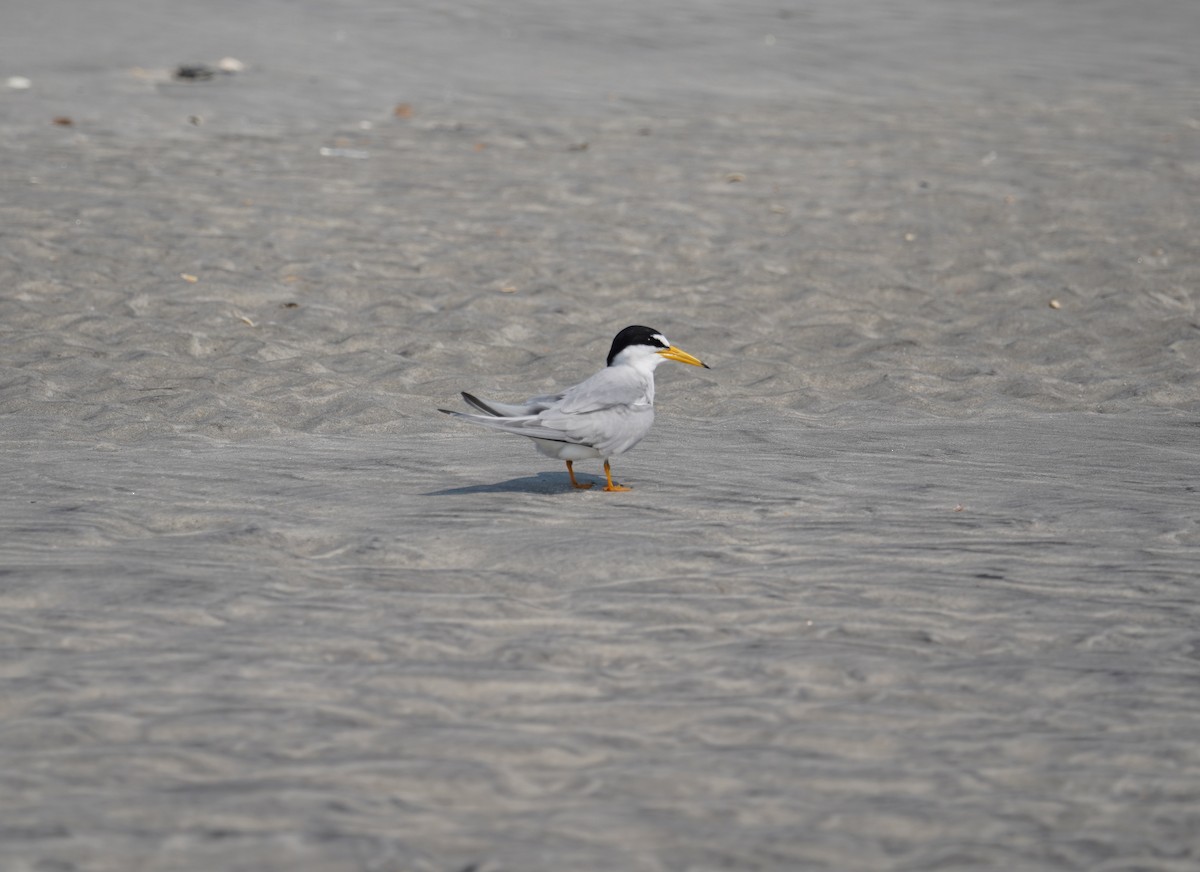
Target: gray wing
[(530, 426), (521, 419), (611, 411), (605, 389), (609, 388), (512, 410), (607, 412), (610, 430)]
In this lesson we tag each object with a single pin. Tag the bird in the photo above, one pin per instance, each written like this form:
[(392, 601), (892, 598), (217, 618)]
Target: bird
[(601, 417)]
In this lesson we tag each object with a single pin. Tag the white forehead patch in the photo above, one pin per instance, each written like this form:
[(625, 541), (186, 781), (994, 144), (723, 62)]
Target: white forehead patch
[(662, 339)]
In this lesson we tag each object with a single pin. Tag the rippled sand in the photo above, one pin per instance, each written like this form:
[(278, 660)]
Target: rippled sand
[(907, 581)]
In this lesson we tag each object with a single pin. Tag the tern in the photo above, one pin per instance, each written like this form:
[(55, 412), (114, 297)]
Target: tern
[(600, 417)]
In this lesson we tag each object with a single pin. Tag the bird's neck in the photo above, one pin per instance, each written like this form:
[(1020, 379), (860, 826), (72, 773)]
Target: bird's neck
[(643, 375), (647, 378)]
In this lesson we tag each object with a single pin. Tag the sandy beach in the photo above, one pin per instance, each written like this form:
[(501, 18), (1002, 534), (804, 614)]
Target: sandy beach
[(907, 581)]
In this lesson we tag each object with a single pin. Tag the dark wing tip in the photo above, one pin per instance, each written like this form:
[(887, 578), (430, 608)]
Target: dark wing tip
[(479, 404)]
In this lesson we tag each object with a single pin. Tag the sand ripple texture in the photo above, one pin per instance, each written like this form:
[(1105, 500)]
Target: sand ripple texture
[(907, 581)]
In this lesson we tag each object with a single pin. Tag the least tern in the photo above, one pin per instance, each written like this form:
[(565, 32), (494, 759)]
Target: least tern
[(598, 418)]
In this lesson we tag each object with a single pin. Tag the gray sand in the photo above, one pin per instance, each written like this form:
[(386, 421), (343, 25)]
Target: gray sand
[(908, 581)]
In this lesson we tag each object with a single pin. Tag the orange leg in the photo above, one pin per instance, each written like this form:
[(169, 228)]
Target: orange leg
[(611, 486), (574, 483)]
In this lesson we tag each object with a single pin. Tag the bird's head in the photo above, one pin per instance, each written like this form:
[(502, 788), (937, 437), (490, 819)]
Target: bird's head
[(645, 343)]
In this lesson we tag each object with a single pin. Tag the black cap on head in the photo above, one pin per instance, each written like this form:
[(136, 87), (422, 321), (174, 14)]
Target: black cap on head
[(636, 336)]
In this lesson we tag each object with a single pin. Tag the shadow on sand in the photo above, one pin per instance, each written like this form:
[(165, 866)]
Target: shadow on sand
[(542, 483)]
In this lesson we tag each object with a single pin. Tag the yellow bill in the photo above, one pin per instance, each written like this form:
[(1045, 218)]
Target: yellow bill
[(682, 356)]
